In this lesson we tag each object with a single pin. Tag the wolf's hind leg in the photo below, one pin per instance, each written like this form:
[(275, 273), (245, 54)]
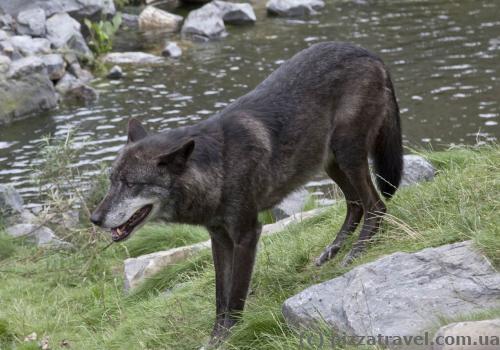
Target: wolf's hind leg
[(353, 215), (374, 209)]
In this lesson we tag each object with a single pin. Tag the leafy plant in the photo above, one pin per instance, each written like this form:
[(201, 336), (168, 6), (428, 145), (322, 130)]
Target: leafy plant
[(102, 34)]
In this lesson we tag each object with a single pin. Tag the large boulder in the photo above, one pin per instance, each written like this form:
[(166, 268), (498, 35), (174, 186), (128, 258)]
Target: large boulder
[(205, 23), (131, 58), (28, 46), (473, 335), (294, 8), (416, 169), (235, 13), (63, 31), (400, 294), (77, 8), (25, 89), (152, 18), (31, 22)]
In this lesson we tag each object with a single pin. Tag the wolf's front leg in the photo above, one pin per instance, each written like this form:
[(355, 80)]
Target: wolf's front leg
[(233, 276), (222, 253)]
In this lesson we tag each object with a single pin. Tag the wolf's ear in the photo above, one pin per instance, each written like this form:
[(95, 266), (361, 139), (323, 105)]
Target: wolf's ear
[(135, 131), (176, 160)]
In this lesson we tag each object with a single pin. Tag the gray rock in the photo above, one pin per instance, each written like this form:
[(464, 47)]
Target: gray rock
[(416, 169), (4, 64), (26, 66), (142, 267), (11, 201), (294, 8), (40, 235), (115, 72), (172, 50), (205, 22), (294, 203), (28, 46), (469, 331), (4, 35), (26, 89), (129, 20), (78, 8), (400, 294), (152, 18), (7, 49), (31, 22), (7, 22), (138, 269), (56, 67), (131, 58), (72, 88), (64, 31), (235, 13), (82, 74)]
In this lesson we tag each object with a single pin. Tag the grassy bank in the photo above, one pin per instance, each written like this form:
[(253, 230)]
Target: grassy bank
[(77, 297)]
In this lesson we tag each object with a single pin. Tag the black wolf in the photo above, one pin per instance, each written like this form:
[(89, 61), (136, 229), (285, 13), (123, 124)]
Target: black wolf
[(329, 107)]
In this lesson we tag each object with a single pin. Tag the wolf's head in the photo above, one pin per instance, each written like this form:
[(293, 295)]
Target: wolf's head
[(141, 180)]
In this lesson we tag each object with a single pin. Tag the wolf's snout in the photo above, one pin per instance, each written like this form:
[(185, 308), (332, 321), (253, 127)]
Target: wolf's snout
[(96, 218)]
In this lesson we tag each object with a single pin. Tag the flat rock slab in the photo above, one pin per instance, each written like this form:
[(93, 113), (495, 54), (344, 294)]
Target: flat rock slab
[(476, 335), (132, 58), (140, 268), (400, 294)]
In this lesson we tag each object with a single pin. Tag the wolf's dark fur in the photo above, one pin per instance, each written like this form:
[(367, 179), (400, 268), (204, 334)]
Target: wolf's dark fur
[(329, 107)]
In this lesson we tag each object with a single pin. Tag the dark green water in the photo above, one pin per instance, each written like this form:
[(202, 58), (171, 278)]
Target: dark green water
[(444, 57)]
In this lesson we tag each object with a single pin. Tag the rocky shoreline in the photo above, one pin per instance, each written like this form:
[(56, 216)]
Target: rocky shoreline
[(44, 55)]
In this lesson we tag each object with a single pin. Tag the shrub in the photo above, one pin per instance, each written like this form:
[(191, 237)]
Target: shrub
[(102, 33)]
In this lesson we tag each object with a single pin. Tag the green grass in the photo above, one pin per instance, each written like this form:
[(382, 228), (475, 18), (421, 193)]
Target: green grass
[(78, 297)]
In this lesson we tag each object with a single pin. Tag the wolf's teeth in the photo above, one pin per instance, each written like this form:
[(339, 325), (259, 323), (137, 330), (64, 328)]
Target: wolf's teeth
[(119, 231)]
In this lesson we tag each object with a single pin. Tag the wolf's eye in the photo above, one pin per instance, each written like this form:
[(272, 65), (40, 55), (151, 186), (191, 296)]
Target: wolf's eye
[(128, 184)]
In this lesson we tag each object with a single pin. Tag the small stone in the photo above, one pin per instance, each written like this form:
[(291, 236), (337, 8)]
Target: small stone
[(56, 67), (115, 72), (172, 50), (4, 64), (72, 88), (152, 18), (31, 22), (82, 74), (129, 20), (10, 200), (416, 169)]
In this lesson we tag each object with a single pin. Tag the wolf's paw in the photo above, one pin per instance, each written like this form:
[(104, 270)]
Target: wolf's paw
[(328, 253), (350, 257)]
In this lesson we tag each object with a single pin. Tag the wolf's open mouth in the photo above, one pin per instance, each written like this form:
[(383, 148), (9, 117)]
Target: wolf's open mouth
[(121, 232)]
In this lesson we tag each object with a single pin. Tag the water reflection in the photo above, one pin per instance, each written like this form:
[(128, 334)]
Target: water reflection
[(443, 57)]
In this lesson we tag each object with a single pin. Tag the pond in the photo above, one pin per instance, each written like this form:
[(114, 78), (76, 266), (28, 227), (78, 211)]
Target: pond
[(444, 57)]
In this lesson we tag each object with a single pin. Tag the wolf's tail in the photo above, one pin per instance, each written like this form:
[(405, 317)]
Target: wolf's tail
[(388, 150)]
